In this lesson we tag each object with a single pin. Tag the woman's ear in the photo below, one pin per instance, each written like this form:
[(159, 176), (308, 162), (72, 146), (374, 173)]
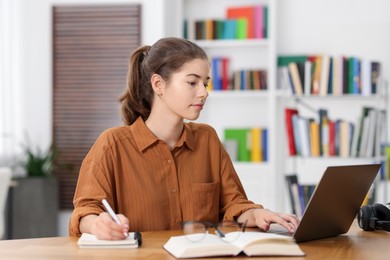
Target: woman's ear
[(158, 84)]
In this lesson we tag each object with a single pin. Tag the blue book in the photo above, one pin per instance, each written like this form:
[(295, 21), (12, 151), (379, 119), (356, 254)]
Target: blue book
[(216, 73), (264, 144), (229, 29), (356, 76), (297, 142), (337, 136), (243, 80)]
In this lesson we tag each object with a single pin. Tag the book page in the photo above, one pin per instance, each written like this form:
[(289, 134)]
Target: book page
[(211, 245), (260, 243)]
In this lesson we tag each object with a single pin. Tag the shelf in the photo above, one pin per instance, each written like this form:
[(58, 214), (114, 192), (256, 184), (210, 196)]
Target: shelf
[(311, 169), (239, 94), (334, 159), (233, 43), (331, 97), (282, 93), (260, 166)]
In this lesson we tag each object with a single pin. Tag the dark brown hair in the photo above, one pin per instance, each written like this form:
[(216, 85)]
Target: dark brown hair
[(165, 57)]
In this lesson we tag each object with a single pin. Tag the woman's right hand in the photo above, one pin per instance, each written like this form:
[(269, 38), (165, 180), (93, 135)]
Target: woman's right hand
[(104, 227)]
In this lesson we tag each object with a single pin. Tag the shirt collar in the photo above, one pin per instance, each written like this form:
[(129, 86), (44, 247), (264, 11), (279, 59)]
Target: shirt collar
[(187, 137), (139, 128), (143, 136)]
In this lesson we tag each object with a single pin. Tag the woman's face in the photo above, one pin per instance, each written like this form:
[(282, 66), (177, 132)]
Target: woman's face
[(185, 93)]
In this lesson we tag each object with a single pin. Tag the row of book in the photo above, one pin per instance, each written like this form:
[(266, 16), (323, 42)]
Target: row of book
[(221, 79), (323, 136), (328, 75), (246, 144), (243, 22), (299, 194)]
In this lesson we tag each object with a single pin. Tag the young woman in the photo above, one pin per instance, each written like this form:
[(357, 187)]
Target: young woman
[(158, 171)]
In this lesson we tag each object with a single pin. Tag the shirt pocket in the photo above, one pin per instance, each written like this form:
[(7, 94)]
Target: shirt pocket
[(205, 198)]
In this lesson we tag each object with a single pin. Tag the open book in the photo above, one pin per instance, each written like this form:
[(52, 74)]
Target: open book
[(90, 241), (250, 243)]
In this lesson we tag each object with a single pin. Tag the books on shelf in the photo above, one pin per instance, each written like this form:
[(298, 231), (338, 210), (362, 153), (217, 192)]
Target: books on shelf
[(249, 243), (325, 136), (299, 194), (220, 73), (223, 79), (239, 22), (328, 75), (90, 241), (246, 144)]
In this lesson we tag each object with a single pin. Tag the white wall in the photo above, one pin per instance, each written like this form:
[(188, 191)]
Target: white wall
[(36, 70), (336, 27), (350, 27), (35, 52)]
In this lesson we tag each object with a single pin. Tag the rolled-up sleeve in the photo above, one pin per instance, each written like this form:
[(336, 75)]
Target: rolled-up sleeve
[(233, 196)]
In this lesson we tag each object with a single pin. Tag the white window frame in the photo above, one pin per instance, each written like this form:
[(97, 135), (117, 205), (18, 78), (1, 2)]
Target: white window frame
[(10, 94)]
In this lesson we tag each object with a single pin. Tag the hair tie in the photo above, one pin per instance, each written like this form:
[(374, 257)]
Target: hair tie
[(146, 51)]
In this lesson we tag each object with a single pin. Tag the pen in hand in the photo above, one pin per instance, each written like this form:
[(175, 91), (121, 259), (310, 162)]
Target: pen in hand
[(112, 214)]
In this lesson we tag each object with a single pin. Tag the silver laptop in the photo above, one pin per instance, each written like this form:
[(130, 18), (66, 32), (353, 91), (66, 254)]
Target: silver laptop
[(335, 201)]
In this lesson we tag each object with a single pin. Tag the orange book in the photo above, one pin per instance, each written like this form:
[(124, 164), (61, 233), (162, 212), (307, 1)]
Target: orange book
[(256, 154), (244, 12), (315, 138), (317, 75), (209, 29)]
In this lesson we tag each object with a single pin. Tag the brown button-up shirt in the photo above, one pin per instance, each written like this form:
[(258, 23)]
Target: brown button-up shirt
[(155, 187)]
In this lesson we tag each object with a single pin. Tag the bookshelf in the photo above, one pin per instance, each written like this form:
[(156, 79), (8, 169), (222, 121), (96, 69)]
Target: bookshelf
[(347, 107), (242, 108), (264, 182)]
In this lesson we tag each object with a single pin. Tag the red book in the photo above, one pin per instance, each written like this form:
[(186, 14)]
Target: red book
[(289, 112), (244, 12), (225, 73)]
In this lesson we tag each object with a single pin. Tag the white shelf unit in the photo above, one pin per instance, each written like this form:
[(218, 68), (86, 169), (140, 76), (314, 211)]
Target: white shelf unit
[(348, 107), (234, 109)]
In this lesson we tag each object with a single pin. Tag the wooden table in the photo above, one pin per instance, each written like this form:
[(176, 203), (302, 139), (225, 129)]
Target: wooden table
[(356, 244)]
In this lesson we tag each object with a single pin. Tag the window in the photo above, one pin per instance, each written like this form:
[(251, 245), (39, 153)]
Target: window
[(10, 101), (91, 47)]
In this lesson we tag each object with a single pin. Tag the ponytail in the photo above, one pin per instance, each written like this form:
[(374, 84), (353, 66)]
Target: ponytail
[(137, 98)]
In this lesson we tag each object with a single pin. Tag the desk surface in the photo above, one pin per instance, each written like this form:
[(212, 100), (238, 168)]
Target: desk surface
[(356, 244)]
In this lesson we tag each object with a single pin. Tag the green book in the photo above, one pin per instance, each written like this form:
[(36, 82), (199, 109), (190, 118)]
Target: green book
[(266, 22), (219, 29), (241, 135), (284, 60), (242, 29)]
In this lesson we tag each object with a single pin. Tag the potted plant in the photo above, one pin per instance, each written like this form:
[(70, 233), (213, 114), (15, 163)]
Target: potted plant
[(34, 206), (39, 163)]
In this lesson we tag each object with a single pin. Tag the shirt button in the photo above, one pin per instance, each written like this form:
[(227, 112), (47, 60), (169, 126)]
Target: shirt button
[(169, 161), (173, 190)]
